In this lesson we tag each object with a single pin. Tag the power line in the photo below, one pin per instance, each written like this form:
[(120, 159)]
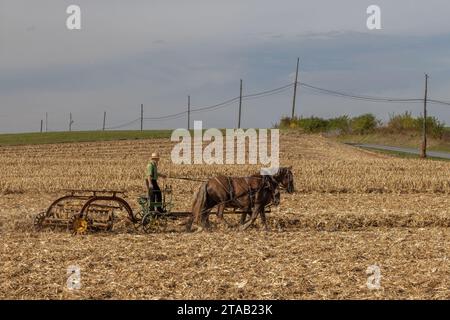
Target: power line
[(268, 91), (174, 115), (222, 104), (279, 90), (439, 102), (357, 97), (413, 101), (123, 125), (225, 103), (179, 114)]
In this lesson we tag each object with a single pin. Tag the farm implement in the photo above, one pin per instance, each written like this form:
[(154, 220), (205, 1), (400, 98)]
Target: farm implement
[(82, 210)]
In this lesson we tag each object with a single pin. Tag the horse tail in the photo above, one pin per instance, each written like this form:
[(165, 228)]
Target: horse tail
[(198, 205)]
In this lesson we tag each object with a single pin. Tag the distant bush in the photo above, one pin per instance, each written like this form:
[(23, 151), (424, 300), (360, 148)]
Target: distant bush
[(287, 122), (364, 124), (435, 127), (341, 124), (313, 124), (402, 122), (407, 123)]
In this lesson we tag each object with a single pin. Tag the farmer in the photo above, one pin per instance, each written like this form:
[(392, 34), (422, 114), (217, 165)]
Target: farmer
[(152, 181)]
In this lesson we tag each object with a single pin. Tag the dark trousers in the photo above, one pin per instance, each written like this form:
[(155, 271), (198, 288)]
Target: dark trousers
[(155, 194)]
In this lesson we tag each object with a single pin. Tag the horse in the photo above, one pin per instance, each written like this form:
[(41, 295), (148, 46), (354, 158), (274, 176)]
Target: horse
[(285, 180), (249, 193)]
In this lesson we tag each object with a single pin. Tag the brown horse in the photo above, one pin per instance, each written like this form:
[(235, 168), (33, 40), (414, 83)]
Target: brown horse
[(284, 179), (248, 193)]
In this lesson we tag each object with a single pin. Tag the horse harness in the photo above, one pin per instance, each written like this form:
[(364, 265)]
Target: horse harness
[(250, 192)]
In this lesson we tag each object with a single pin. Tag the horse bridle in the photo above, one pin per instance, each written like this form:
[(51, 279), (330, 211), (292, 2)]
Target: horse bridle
[(290, 180)]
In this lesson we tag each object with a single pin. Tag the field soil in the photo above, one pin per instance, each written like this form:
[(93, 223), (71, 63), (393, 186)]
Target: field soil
[(352, 209)]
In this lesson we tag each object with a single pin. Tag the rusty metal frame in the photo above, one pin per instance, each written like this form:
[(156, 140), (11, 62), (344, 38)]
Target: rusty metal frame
[(120, 201)]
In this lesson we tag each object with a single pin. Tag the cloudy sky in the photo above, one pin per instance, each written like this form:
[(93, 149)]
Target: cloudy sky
[(158, 52)]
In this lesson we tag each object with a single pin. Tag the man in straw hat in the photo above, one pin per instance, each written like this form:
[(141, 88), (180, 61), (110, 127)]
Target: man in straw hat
[(152, 181)]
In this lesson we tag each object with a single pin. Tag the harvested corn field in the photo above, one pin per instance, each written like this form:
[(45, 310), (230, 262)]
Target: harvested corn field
[(352, 209)]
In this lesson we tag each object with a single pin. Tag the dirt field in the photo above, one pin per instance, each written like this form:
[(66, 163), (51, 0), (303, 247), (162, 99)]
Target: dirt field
[(352, 209)]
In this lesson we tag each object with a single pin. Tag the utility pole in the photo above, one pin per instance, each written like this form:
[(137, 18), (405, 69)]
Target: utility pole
[(42, 123), (240, 107), (189, 113), (46, 122), (142, 116), (424, 141), (70, 122), (295, 90), (104, 120)]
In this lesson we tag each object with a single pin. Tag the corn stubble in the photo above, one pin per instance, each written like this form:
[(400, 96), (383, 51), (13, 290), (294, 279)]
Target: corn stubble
[(352, 209)]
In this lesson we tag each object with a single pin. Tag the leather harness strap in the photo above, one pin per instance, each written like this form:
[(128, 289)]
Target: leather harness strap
[(249, 190), (231, 192), (231, 189)]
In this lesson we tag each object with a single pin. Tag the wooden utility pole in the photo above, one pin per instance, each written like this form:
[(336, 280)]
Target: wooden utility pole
[(70, 122), (104, 120), (189, 113), (424, 129), (240, 107), (142, 116), (295, 90), (42, 123), (46, 122)]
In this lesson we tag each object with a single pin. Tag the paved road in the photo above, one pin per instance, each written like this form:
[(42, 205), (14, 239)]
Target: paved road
[(434, 154)]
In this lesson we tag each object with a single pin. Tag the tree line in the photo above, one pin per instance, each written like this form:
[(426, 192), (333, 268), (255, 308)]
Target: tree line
[(365, 124)]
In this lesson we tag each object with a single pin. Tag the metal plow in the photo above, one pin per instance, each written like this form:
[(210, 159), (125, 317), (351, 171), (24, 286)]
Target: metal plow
[(85, 210)]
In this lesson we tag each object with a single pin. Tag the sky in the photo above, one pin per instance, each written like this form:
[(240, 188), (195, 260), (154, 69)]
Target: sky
[(156, 53)]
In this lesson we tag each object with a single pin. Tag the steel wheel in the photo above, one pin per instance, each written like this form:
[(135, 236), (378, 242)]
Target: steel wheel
[(79, 225), (38, 220), (152, 223), (138, 216)]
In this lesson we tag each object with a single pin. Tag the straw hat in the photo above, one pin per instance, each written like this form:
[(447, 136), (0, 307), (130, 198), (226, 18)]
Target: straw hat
[(155, 155)]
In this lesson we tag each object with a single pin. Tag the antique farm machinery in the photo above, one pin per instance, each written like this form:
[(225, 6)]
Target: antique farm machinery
[(82, 210), (154, 216)]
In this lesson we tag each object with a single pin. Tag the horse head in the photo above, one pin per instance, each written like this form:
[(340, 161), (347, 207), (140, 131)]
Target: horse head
[(285, 178)]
